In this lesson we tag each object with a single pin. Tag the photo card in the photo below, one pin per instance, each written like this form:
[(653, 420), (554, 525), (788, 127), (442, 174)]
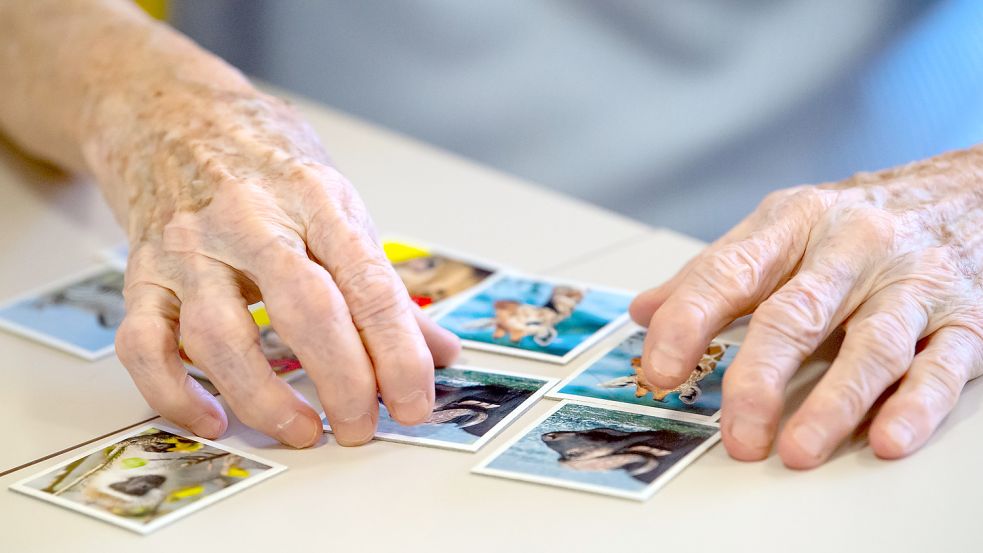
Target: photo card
[(618, 452), (148, 478), (434, 275), (535, 317), (471, 407), (615, 378), (79, 314)]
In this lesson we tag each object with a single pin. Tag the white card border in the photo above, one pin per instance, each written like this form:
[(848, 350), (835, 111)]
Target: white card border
[(21, 485), (48, 340), (642, 495), (521, 409), (601, 333), (555, 393)]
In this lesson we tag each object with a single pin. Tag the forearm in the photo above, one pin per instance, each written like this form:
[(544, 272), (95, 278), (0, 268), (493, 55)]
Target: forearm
[(74, 75)]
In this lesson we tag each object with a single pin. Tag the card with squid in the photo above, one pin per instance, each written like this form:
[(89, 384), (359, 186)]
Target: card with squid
[(433, 275), (618, 452), (79, 315), (281, 358), (536, 317), (471, 407), (148, 478), (616, 378)]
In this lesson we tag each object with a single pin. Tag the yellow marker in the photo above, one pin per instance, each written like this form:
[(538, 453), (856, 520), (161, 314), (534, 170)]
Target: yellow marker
[(183, 445), (185, 493), (261, 317), (397, 252), (237, 472)]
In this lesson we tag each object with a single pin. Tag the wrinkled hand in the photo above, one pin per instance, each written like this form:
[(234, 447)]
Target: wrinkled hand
[(895, 257), (231, 199)]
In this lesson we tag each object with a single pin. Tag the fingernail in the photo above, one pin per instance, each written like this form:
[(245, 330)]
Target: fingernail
[(901, 433), (811, 439), (206, 426), (666, 364), (413, 407), (297, 431), (355, 430), (750, 432)]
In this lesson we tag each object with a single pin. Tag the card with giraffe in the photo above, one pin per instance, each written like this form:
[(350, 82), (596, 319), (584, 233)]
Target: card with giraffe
[(615, 378), (536, 317)]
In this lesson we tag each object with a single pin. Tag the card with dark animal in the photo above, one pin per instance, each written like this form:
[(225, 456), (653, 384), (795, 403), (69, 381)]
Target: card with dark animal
[(615, 378), (148, 478), (536, 317), (471, 406), (79, 314), (619, 452)]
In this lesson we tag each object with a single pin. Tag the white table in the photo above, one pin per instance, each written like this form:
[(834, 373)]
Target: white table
[(393, 497)]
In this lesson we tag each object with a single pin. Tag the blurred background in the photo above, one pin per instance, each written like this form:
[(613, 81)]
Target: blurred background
[(678, 113)]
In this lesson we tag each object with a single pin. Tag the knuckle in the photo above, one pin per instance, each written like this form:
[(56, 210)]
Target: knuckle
[(138, 346), (373, 292), (941, 384), (795, 314), (737, 270), (885, 339), (872, 226), (852, 397), (766, 380)]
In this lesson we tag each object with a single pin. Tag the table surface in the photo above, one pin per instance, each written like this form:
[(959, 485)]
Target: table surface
[(395, 497)]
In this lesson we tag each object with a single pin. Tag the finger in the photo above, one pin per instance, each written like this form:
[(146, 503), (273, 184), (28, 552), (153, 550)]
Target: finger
[(147, 345), (379, 306), (444, 345), (309, 313), (720, 288), (878, 349), (784, 330), (648, 302), (221, 338), (951, 357)]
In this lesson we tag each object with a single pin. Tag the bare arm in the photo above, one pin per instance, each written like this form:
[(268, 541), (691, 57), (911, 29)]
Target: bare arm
[(227, 197)]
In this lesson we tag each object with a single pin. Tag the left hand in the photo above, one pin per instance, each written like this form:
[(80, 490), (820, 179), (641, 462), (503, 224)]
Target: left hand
[(895, 257)]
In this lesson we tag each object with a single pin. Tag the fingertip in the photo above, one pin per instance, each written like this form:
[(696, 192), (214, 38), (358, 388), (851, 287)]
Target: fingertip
[(803, 446), (893, 439), (207, 425), (444, 345), (354, 431), (747, 438), (413, 408), (665, 367), (644, 305), (301, 429)]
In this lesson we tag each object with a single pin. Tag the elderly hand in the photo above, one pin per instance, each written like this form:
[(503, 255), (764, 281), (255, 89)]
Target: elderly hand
[(895, 257), (227, 198), (231, 199)]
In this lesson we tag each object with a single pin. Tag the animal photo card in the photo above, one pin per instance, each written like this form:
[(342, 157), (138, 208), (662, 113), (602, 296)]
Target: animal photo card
[(433, 275), (79, 315), (282, 359), (616, 452), (615, 378), (148, 478), (471, 407), (536, 317)]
